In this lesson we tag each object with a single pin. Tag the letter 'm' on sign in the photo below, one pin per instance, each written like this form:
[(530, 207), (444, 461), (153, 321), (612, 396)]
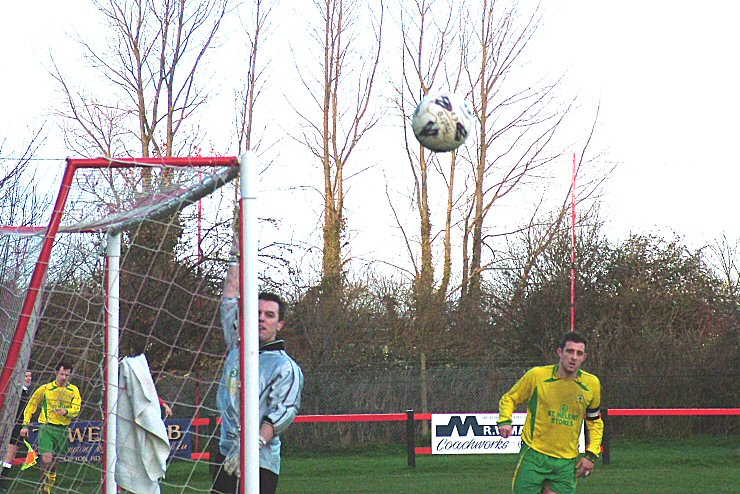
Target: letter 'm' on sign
[(456, 423)]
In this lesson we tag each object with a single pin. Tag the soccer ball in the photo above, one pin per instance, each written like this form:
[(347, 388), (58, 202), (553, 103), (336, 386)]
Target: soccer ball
[(442, 121)]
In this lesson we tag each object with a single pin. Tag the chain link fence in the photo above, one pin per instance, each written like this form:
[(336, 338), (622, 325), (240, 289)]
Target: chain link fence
[(470, 389)]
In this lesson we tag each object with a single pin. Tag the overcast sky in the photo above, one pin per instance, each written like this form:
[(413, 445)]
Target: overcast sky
[(666, 74)]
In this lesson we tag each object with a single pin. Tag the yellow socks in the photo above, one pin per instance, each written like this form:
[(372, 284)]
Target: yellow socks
[(49, 479)]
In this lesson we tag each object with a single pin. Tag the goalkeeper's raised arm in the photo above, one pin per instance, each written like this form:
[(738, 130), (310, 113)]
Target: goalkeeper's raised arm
[(231, 285), (230, 304)]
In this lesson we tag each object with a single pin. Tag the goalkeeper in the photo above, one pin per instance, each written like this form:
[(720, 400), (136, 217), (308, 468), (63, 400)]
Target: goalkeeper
[(60, 402), (280, 381), (558, 398)]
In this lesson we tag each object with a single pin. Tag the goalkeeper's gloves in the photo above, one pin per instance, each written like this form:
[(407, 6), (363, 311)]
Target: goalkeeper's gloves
[(234, 254), (231, 465)]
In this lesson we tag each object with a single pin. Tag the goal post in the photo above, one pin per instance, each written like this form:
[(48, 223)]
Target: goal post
[(142, 191), (249, 328), (112, 335), (54, 224)]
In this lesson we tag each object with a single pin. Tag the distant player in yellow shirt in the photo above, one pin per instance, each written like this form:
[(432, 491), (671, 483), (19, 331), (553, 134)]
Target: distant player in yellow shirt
[(59, 402), (558, 398)]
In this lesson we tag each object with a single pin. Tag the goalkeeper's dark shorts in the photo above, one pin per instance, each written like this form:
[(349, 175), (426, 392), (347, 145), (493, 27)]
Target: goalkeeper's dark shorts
[(223, 483)]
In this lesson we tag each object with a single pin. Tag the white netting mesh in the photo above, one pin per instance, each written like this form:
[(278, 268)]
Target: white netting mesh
[(176, 225)]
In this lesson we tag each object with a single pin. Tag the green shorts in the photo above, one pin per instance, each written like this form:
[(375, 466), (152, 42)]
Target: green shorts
[(53, 439), (535, 469)]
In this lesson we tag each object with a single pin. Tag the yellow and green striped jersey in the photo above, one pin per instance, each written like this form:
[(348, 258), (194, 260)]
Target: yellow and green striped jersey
[(50, 397), (556, 408)]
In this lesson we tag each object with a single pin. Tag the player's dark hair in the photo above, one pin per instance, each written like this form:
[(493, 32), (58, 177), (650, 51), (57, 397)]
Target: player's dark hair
[(273, 297), (65, 364), (573, 336)]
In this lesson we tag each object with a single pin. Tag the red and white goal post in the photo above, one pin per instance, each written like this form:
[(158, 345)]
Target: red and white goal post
[(164, 225)]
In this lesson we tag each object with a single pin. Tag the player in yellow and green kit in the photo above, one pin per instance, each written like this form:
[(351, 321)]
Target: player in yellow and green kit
[(59, 402), (558, 398)]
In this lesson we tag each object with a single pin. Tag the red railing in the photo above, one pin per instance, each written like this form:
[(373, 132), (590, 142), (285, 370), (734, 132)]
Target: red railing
[(410, 417), (665, 412), (607, 413)]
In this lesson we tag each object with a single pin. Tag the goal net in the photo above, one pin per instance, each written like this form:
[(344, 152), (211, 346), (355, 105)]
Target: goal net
[(130, 260)]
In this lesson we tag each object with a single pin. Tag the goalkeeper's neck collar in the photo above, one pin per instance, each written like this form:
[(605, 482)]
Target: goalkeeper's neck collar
[(273, 346)]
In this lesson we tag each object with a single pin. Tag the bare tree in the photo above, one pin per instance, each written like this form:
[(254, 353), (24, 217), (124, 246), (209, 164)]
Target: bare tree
[(429, 30), (518, 126), (151, 70), (341, 97), (20, 201), (726, 259), (154, 83), (22, 204), (428, 34), (258, 29)]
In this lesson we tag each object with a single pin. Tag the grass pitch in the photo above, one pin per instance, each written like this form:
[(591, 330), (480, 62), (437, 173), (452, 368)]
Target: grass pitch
[(677, 466), (699, 465)]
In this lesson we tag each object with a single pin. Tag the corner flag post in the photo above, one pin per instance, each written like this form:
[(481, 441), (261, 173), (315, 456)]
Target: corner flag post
[(573, 249)]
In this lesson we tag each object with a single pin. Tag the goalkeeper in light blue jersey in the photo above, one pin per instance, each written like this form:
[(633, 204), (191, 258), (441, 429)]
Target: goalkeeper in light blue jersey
[(280, 381)]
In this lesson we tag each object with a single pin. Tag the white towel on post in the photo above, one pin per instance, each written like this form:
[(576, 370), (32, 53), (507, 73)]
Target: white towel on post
[(142, 444)]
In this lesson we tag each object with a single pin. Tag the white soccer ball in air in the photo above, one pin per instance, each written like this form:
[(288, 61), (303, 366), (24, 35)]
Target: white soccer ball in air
[(442, 121)]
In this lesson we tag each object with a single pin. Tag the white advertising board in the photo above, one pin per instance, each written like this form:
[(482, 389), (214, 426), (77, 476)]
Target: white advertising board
[(476, 433)]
